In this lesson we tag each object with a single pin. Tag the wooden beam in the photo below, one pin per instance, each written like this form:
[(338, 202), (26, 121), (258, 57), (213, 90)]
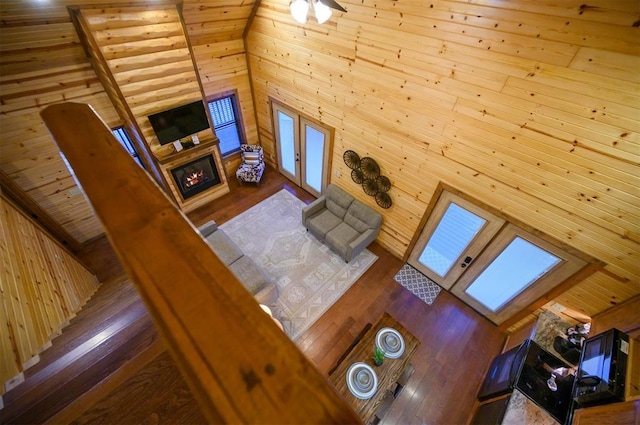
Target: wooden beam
[(239, 365)]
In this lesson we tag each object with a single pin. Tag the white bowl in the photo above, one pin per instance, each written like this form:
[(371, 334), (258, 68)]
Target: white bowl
[(391, 342), (362, 380)]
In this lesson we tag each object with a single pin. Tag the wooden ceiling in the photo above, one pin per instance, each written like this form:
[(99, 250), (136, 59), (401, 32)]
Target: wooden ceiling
[(38, 33)]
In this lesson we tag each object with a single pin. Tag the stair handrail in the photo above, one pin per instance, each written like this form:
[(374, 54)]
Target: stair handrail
[(239, 365)]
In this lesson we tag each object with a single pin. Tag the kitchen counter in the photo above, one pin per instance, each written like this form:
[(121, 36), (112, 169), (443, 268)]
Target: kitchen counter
[(520, 409)]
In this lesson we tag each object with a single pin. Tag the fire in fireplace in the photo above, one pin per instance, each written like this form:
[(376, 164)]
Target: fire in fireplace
[(196, 176)]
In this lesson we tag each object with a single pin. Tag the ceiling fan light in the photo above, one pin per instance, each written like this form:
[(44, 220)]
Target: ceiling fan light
[(322, 11), (299, 10)]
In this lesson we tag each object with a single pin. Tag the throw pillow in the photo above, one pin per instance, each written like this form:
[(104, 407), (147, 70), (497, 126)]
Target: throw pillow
[(251, 155)]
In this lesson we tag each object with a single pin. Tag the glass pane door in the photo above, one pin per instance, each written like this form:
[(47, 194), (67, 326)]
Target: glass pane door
[(287, 139), (498, 284), (315, 151), (514, 271), (303, 149), (456, 230), (455, 233)]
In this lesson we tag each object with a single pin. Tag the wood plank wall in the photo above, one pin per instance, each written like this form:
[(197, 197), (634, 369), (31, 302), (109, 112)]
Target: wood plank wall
[(147, 54), (215, 30), (42, 63), (42, 286), (532, 108)]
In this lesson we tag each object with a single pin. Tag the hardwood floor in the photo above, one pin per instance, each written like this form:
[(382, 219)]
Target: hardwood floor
[(110, 366)]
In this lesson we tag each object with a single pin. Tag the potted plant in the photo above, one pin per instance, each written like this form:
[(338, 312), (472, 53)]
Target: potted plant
[(378, 356)]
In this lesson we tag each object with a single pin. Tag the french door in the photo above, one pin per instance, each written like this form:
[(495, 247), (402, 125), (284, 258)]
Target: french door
[(490, 264), (303, 149)]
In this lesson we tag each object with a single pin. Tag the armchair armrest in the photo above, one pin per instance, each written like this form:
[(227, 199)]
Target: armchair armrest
[(312, 208), (361, 242)]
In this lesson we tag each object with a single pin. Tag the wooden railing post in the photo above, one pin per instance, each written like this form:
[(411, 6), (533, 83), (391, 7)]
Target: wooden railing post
[(239, 365)]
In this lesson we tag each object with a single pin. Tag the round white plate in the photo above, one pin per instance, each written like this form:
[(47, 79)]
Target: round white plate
[(391, 342), (362, 380)]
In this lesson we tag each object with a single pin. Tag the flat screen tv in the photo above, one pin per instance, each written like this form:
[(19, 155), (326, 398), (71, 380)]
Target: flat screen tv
[(176, 123)]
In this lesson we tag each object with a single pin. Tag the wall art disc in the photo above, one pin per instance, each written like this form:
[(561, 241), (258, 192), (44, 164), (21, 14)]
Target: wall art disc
[(352, 159), (369, 167), (383, 184), (356, 175), (370, 187), (383, 199)]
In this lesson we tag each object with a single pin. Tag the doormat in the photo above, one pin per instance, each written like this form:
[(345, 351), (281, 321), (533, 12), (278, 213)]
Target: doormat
[(420, 285)]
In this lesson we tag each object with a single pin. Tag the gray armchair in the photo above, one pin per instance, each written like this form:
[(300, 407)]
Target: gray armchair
[(344, 224)]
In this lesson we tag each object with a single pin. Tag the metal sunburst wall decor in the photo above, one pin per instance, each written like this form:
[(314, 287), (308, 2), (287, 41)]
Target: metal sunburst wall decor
[(366, 172)]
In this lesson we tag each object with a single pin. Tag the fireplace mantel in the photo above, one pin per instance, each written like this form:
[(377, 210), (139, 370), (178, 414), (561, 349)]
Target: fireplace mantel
[(175, 156), (178, 159)]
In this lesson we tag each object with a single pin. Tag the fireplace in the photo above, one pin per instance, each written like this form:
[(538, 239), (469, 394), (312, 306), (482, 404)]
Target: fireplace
[(196, 176)]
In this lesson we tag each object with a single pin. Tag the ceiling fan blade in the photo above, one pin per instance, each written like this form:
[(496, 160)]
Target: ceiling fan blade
[(332, 4)]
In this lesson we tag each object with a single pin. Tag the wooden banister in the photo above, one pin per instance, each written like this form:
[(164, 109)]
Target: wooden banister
[(239, 365)]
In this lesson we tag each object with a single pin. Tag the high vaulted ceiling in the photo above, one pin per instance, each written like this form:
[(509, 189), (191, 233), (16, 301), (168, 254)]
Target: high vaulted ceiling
[(531, 107), (39, 33), (42, 61)]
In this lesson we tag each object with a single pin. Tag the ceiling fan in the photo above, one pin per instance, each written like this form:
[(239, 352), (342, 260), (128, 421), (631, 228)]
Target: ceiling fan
[(321, 8)]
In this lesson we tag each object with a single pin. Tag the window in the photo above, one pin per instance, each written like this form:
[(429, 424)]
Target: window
[(121, 134), (227, 123)]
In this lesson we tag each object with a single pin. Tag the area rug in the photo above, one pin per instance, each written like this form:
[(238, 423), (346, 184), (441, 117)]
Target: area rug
[(309, 275), (420, 285)]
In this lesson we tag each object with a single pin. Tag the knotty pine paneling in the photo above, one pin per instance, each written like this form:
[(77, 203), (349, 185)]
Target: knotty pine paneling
[(533, 109), (222, 64), (41, 289), (132, 41), (28, 154)]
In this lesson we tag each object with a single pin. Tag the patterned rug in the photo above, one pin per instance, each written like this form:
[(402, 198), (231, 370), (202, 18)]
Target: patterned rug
[(421, 286), (309, 275)]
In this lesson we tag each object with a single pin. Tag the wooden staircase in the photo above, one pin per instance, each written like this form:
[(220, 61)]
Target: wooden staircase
[(110, 340)]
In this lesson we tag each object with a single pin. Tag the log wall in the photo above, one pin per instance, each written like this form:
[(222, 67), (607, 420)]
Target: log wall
[(533, 109), (42, 286), (215, 30), (42, 63), (147, 55), (144, 56)]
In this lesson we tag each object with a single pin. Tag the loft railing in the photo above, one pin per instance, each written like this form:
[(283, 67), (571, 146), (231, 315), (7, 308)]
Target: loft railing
[(239, 365)]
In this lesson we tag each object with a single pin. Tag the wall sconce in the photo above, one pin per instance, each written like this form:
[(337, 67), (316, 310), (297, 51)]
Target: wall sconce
[(321, 8)]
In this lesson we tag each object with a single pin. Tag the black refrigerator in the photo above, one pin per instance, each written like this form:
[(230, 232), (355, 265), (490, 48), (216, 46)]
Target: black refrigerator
[(535, 372)]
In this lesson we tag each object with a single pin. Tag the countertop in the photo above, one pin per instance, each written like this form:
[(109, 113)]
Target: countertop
[(520, 409)]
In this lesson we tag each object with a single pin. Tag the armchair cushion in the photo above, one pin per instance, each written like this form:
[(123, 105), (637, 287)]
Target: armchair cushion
[(248, 272), (337, 201), (361, 217), (252, 166), (243, 267), (322, 223), (340, 237)]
